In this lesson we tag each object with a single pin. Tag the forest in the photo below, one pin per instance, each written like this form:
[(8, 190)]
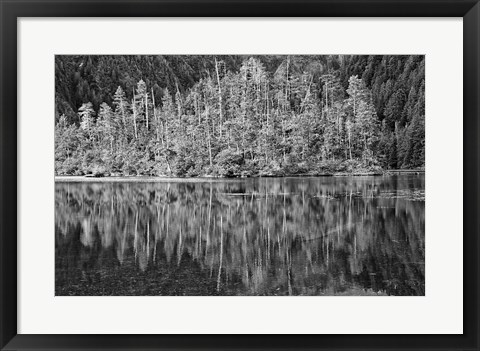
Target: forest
[(240, 115)]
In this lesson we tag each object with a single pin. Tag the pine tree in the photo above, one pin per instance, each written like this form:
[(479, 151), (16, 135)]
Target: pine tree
[(106, 125), (141, 104), (86, 114), (121, 109)]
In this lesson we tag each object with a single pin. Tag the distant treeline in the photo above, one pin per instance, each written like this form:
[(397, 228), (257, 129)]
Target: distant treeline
[(238, 115)]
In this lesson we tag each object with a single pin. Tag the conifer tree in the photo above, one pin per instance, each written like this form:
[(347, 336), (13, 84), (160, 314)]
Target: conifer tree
[(86, 114), (121, 109)]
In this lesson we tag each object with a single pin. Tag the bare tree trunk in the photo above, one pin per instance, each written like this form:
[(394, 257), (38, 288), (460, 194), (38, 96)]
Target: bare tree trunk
[(354, 107), (209, 141), (196, 110), (166, 130), (326, 96), (123, 117), (210, 148), (146, 108), (307, 95), (243, 116), (155, 117), (178, 100), (268, 128), (287, 83), (284, 142), (266, 98), (338, 127), (365, 148), (134, 108), (350, 142), (243, 135), (219, 97)]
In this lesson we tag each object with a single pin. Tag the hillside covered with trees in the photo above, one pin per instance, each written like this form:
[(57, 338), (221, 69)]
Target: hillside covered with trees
[(238, 115)]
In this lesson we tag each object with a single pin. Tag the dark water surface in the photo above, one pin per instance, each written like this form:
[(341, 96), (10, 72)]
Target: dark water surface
[(263, 236)]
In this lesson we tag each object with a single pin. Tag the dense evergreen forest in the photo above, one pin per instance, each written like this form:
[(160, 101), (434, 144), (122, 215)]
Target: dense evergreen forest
[(238, 115)]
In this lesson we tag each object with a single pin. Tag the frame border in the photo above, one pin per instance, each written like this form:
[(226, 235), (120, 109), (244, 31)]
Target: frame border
[(10, 10)]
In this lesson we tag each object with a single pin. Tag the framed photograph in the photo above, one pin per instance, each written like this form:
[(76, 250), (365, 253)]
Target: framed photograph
[(239, 175)]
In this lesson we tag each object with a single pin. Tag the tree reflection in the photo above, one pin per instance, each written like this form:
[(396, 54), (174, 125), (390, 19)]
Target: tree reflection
[(263, 236)]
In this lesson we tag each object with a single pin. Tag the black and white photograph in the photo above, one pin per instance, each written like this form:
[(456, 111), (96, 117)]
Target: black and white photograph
[(239, 175)]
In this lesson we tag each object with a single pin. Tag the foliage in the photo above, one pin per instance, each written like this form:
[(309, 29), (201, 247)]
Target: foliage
[(237, 115)]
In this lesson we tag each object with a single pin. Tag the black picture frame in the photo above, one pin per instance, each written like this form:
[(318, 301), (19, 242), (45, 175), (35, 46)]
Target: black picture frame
[(11, 10)]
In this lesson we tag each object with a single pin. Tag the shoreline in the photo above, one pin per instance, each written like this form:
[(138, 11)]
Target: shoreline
[(208, 179)]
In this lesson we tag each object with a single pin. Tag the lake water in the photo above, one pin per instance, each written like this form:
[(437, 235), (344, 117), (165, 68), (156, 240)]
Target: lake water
[(256, 236)]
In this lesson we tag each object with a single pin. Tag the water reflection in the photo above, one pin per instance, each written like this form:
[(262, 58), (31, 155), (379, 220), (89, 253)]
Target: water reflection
[(285, 236)]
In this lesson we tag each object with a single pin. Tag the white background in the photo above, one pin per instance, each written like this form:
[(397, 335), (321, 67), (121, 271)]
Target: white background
[(440, 311)]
